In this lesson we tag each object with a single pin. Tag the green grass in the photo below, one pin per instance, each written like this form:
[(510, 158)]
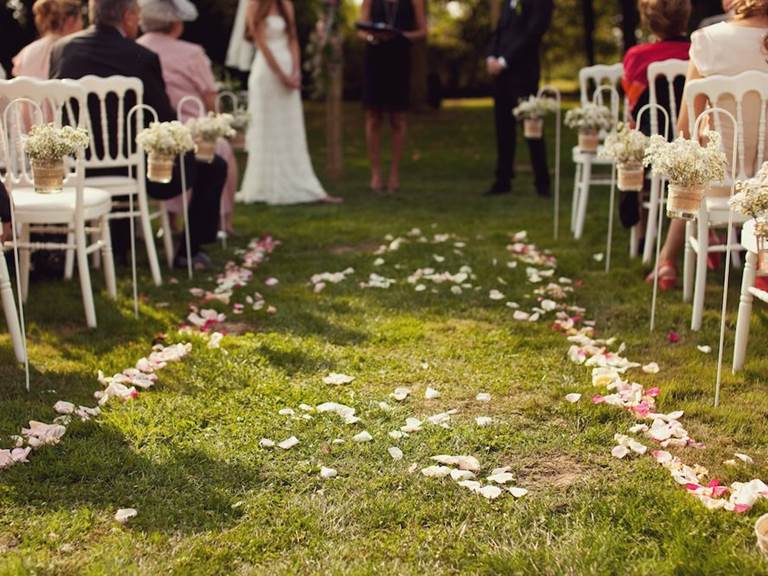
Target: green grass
[(210, 501)]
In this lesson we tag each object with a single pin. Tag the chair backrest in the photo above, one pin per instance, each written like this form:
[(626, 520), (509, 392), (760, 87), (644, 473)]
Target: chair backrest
[(57, 101), (110, 99), (591, 78), (746, 97), (673, 73)]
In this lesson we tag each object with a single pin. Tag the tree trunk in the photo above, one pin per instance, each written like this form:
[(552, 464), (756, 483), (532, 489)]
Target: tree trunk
[(588, 12), (495, 13), (630, 20)]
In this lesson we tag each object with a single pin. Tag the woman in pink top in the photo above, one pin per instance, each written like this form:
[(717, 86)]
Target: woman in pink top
[(725, 49), (187, 72), (53, 19)]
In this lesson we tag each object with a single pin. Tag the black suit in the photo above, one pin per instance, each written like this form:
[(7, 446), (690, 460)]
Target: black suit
[(517, 39), (104, 51)]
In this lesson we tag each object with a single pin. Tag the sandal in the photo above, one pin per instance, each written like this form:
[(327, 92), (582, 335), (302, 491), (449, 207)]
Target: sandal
[(667, 272)]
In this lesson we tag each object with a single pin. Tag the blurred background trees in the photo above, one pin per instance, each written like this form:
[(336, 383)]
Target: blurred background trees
[(450, 65)]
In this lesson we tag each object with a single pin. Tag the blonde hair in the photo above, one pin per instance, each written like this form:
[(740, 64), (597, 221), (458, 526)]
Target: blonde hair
[(50, 15), (665, 18), (743, 9)]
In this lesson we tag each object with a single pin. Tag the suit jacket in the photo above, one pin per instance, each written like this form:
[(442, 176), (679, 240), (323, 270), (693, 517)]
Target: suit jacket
[(518, 36), (104, 51)]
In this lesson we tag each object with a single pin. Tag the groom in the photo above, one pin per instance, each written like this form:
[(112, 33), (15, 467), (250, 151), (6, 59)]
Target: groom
[(513, 62)]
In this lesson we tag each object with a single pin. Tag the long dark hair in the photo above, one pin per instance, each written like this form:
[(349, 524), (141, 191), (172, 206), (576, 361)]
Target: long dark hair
[(260, 13)]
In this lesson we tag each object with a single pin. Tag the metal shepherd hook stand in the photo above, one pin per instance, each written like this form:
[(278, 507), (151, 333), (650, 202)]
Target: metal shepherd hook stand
[(201, 112), (6, 120), (659, 227), (235, 106), (553, 93), (136, 111), (597, 98), (729, 242)]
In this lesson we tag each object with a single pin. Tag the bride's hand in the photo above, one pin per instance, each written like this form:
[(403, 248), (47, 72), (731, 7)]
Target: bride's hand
[(288, 81)]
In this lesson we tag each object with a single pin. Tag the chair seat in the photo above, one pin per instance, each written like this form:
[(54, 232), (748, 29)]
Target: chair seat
[(58, 208), (115, 185), (578, 156), (718, 209)]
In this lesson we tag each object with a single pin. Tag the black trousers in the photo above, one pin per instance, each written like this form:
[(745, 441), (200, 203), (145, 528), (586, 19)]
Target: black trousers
[(5, 205), (207, 183), (509, 90)]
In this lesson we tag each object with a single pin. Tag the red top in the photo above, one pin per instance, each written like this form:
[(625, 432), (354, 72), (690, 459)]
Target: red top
[(638, 58)]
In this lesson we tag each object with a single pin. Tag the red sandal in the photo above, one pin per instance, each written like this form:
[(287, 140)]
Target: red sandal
[(667, 271)]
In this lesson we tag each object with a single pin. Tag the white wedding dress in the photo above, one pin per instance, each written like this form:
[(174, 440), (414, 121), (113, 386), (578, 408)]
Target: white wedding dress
[(279, 169)]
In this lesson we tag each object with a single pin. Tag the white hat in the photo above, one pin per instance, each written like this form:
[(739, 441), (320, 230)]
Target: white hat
[(168, 10)]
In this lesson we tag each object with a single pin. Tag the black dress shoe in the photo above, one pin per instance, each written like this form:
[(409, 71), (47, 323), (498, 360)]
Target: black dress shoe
[(498, 189)]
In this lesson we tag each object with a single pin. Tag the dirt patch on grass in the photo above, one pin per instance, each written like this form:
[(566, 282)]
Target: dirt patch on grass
[(558, 471), (340, 249)]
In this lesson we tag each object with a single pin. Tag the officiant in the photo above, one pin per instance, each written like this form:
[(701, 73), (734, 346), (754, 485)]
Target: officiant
[(387, 78), (514, 63)]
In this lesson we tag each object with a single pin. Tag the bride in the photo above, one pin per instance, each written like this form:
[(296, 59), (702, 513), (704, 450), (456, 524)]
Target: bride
[(279, 169)]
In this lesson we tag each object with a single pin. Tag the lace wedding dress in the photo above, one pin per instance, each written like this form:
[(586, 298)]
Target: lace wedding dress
[(279, 169)]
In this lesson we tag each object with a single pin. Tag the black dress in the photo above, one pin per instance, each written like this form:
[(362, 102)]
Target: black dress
[(387, 76)]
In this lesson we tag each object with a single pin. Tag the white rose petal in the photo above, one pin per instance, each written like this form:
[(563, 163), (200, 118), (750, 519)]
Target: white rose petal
[(395, 453), (483, 421), (431, 394), (125, 514), (266, 443), (364, 436), (651, 368), (483, 397), (573, 397), (327, 473), (436, 471), (518, 492), (336, 379), (490, 492), (288, 443)]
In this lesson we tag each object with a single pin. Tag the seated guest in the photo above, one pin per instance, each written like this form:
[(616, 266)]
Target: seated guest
[(108, 48), (726, 49), (668, 21), (5, 213), (187, 72), (53, 19)]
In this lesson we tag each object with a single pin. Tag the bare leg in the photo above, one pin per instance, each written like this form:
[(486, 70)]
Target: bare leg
[(373, 120), (399, 128), (670, 252)]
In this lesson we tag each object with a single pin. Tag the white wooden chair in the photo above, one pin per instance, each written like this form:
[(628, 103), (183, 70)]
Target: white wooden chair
[(69, 212), (748, 293), (591, 79), (669, 71), (116, 90), (730, 93)]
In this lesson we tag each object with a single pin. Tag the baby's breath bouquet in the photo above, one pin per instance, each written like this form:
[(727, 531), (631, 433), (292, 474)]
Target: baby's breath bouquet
[(206, 129), (240, 121), (589, 120), (532, 112), (689, 167), (164, 141), (46, 142), (751, 199), (46, 146), (626, 147)]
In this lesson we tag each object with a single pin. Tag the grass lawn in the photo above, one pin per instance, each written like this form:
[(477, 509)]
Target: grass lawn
[(210, 501)]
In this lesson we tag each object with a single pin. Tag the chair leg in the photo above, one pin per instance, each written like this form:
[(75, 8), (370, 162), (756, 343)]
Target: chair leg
[(85, 275), (581, 211), (25, 260), (576, 191), (688, 259), (165, 222), (108, 259), (745, 313), (653, 216), (96, 256), (149, 239), (700, 284), (9, 309), (69, 260)]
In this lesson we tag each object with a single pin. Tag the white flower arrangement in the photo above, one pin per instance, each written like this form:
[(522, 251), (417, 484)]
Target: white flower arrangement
[(46, 142), (625, 146), (534, 108), (751, 198), (212, 126), (166, 138), (589, 117), (240, 120), (687, 163)]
